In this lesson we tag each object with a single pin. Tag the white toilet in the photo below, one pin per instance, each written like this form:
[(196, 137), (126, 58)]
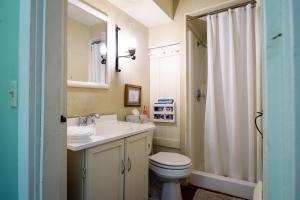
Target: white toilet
[(169, 168)]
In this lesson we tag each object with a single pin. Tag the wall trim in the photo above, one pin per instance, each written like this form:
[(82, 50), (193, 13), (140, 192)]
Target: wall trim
[(164, 45)]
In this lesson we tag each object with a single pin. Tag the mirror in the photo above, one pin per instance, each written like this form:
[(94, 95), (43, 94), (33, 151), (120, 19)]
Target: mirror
[(87, 46)]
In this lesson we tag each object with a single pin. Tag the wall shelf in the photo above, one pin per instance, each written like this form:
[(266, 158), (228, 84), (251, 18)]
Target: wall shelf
[(164, 113)]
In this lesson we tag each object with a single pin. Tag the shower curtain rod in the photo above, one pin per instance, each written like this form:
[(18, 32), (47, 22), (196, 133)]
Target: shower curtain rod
[(189, 18)]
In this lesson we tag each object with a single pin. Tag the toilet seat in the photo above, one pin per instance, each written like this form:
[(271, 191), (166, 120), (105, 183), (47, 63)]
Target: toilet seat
[(170, 165)]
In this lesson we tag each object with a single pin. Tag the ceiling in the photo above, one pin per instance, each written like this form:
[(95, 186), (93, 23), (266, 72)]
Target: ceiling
[(83, 16), (146, 12)]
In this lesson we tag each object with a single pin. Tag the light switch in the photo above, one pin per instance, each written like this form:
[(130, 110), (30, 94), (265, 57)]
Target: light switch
[(13, 92)]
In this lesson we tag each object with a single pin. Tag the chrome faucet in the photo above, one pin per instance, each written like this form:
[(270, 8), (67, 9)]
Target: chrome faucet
[(88, 120)]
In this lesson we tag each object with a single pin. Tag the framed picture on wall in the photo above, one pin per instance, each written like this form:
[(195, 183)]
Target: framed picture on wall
[(132, 97)]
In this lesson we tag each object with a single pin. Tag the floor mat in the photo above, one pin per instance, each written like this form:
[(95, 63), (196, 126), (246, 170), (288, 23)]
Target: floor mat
[(201, 194)]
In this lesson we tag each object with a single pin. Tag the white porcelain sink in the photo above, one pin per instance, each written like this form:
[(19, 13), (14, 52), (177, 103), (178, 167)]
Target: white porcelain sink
[(80, 133), (114, 127)]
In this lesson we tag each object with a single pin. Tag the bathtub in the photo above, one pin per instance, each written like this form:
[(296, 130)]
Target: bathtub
[(257, 195), (234, 187)]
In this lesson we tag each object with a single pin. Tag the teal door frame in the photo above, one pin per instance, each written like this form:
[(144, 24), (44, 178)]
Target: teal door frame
[(30, 98), (296, 6), (280, 103)]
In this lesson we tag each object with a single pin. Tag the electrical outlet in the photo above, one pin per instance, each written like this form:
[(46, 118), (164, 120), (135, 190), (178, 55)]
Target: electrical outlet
[(13, 92)]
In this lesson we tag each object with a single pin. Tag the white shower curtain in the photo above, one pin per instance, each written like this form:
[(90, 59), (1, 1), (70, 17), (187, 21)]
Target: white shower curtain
[(97, 69), (232, 144)]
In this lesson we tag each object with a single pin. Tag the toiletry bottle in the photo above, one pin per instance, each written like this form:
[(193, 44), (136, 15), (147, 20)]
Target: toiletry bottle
[(145, 110)]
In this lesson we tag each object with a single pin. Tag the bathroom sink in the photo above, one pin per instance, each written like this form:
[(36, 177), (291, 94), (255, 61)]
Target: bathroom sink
[(106, 129), (80, 134), (114, 128)]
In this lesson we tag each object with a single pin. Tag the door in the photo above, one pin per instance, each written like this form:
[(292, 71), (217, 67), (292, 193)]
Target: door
[(136, 178), (105, 169), (53, 80)]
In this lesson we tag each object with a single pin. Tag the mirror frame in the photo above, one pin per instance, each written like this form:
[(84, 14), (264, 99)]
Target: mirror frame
[(102, 16)]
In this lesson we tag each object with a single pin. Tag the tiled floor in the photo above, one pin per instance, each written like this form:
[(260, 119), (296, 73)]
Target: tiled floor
[(189, 191)]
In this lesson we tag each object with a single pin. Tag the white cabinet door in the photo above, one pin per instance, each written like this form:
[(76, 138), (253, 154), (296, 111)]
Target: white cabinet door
[(136, 156), (105, 172)]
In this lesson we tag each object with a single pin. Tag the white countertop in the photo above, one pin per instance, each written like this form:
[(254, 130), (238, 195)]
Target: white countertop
[(111, 130)]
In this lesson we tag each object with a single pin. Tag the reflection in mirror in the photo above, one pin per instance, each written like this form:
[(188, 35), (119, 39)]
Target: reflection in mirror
[(87, 46)]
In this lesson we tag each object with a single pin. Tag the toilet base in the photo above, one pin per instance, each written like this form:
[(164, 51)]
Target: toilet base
[(171, 190)]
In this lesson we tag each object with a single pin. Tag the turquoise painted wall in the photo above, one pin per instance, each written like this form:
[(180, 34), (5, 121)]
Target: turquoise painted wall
[(296, 7), (9, 34), (279, 101)]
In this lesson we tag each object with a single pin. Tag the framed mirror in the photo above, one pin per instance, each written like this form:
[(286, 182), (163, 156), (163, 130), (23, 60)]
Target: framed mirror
[(87, 46)]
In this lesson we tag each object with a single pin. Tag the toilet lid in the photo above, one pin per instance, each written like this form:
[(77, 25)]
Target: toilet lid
[(170, 159), (182, 167)]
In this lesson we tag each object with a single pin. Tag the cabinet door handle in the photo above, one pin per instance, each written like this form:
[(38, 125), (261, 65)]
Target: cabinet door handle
[(128, 164), (123, 167), (84, 173)]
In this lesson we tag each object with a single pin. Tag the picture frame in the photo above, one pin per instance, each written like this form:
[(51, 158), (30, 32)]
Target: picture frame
[(132, 96)]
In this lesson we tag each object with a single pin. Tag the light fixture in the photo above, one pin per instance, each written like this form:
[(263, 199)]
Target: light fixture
[(131, 49), (103, 53)]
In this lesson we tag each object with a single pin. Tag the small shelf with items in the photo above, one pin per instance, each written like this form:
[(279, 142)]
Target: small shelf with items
[(164, 112)]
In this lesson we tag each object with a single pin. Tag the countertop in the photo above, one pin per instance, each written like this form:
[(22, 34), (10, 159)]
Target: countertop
[(111, 130)]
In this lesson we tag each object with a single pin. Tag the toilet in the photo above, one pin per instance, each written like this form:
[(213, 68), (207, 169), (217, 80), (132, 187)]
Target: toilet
[(169, 168)]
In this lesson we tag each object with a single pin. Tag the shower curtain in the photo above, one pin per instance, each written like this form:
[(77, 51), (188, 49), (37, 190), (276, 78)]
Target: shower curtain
[(97, 69), (232, 143)]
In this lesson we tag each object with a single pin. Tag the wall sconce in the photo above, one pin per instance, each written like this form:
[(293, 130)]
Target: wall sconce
[(131, 49), (103, 54)]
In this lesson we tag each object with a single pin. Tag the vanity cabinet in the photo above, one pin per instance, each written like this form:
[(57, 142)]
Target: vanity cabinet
[(116, 170)]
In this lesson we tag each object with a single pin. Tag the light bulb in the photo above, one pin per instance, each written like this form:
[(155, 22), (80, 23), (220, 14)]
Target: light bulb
[(132, 43), (103, 49)]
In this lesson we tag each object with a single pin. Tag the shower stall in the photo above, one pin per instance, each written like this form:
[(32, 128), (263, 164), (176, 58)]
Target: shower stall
[(197, 58), (224, 96)]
